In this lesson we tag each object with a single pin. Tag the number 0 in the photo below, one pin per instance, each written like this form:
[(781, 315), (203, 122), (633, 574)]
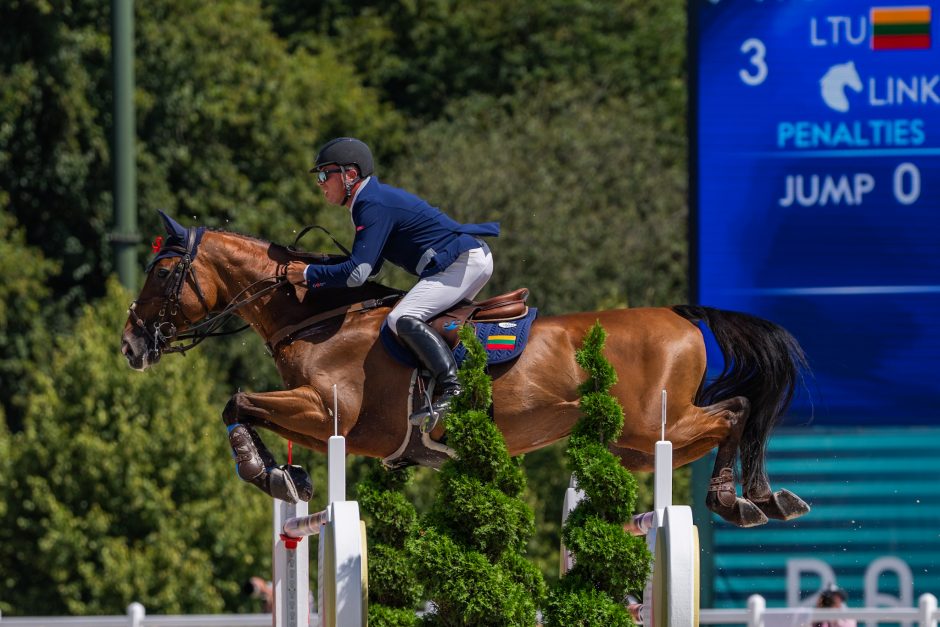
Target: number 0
[(911, 172), (759, 50)]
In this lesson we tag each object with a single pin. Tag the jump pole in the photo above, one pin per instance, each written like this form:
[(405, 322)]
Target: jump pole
[(671, 597), (342, 568)]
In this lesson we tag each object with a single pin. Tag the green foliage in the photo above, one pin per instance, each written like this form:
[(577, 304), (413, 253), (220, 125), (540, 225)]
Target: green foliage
[(584, 607), (470, 548), (123, 488), (590, 193), (609, 563), (227, 121), (23, 295), (601, 374), (424, 54), (394, 590)]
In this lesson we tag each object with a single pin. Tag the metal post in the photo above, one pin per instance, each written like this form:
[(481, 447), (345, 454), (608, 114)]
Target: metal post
[(125, 237), (135, 614), (927, 604), (756, 605), (662, 464), (291, 570)]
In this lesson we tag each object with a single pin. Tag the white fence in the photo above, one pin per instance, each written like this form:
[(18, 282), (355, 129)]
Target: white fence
[(757, 614)]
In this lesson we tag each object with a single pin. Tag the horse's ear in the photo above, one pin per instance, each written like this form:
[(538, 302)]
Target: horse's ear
[(173, 228)]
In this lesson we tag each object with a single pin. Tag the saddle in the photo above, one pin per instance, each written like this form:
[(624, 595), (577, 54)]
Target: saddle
[(508, 306)]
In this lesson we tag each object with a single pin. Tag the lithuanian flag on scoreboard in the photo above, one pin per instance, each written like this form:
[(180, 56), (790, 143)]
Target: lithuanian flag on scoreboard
[(900, 28)]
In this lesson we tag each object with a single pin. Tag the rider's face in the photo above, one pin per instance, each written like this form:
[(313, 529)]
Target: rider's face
[(332, 183)]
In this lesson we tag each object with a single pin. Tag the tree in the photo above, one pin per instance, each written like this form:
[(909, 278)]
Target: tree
[(227, 121), (120, 486), (24, 295), (591, 199), (469, 552), (394, 590), (425, 54), (609, 563)]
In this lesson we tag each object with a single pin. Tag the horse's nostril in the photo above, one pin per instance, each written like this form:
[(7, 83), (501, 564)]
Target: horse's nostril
[(125, 347)]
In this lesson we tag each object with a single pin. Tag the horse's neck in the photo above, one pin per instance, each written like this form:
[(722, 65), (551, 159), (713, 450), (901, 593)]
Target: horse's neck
[(238, 262), (241, 261)]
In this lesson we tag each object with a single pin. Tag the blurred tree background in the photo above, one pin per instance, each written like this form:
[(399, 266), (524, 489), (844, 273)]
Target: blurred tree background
[(565, 121)]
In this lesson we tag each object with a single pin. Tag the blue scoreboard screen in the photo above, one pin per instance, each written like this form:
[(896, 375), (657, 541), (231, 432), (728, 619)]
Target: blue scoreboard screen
[(816, 191)]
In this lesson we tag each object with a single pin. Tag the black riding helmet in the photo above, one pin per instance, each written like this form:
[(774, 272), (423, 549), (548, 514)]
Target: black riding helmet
[(345, 151)]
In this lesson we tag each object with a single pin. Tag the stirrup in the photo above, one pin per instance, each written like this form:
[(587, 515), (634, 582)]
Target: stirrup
[(428, 417), (425, 419)]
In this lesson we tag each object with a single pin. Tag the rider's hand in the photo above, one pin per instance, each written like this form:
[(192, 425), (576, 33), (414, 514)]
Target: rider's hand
[(295, 276), (295, 273)]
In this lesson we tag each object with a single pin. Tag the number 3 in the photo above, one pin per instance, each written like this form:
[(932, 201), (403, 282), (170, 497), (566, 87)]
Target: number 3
[(757, 60)]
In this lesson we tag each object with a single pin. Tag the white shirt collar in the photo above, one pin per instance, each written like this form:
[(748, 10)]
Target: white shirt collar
[(365, 182)]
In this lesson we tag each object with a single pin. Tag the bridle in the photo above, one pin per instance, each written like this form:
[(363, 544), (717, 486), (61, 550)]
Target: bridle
[(164, 332)]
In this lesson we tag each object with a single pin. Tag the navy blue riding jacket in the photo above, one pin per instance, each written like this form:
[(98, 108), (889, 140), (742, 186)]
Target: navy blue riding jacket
[(398, 226)]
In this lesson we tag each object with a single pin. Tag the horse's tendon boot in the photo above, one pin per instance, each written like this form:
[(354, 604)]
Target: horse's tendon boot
[(288, 483), (249, 464)]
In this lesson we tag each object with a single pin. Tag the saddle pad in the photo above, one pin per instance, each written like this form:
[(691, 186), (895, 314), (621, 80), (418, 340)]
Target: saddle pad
[(502, 340)]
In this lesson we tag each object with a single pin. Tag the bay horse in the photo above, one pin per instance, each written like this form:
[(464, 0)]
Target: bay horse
[(201, 272)]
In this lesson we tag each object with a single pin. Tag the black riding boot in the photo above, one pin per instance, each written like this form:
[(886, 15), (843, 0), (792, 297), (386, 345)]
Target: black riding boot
[(433, 353)]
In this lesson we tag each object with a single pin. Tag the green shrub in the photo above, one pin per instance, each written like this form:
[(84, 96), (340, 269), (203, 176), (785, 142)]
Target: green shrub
[(470, 550), (609, 563)]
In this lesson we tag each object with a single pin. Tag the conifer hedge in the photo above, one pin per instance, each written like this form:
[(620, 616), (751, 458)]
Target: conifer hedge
[(394, 591), (470, 550), (609, 563)]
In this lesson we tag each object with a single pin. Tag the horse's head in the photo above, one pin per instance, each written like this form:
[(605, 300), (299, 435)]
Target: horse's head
[(171, 300)]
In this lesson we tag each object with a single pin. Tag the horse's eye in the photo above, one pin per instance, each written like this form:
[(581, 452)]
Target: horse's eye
[(163, 273)]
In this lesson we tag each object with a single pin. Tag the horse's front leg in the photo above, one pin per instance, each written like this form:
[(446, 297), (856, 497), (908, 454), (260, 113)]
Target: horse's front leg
[(254, 463)]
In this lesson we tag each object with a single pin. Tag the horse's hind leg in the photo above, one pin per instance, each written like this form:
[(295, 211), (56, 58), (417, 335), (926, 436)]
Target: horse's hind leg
[(722, 497), (255, 464), (779, 505)]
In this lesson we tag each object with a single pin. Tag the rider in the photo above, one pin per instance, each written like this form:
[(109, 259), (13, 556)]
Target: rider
[(452, 263)]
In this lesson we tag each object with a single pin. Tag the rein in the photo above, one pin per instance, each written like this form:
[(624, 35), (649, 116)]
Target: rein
[(207, 328)]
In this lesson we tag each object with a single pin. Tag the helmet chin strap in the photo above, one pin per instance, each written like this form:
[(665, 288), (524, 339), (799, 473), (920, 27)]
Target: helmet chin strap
[(349, 185)]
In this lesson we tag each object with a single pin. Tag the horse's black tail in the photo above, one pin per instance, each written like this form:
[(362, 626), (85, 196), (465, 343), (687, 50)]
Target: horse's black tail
[(763, 363)]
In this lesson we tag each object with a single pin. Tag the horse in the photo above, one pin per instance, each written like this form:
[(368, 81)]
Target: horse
[(202, 275)]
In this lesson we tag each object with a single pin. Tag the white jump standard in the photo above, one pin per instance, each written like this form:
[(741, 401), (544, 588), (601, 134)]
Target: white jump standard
[(342, 595)]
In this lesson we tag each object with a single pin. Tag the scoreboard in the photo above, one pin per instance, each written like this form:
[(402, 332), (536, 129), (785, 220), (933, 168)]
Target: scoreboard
[(815, 170)]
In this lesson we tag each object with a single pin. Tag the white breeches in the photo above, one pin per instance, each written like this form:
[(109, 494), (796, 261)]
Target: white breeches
[(431, 295)]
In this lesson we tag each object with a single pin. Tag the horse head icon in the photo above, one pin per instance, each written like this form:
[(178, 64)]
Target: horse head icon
[(834, 83)]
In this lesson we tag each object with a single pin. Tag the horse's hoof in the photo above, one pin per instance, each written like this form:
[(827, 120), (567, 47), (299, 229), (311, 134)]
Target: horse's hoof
[(783, 505), (290, 484), (742, 513)]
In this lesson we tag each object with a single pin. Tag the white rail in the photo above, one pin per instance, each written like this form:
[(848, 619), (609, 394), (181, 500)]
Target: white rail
[(925, 614), (758, 614)]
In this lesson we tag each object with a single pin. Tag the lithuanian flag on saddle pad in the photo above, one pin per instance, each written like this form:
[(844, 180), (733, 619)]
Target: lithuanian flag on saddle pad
[(502, 340)]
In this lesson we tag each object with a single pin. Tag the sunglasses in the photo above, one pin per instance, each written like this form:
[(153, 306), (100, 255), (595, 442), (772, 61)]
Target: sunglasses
[(322, 175)]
